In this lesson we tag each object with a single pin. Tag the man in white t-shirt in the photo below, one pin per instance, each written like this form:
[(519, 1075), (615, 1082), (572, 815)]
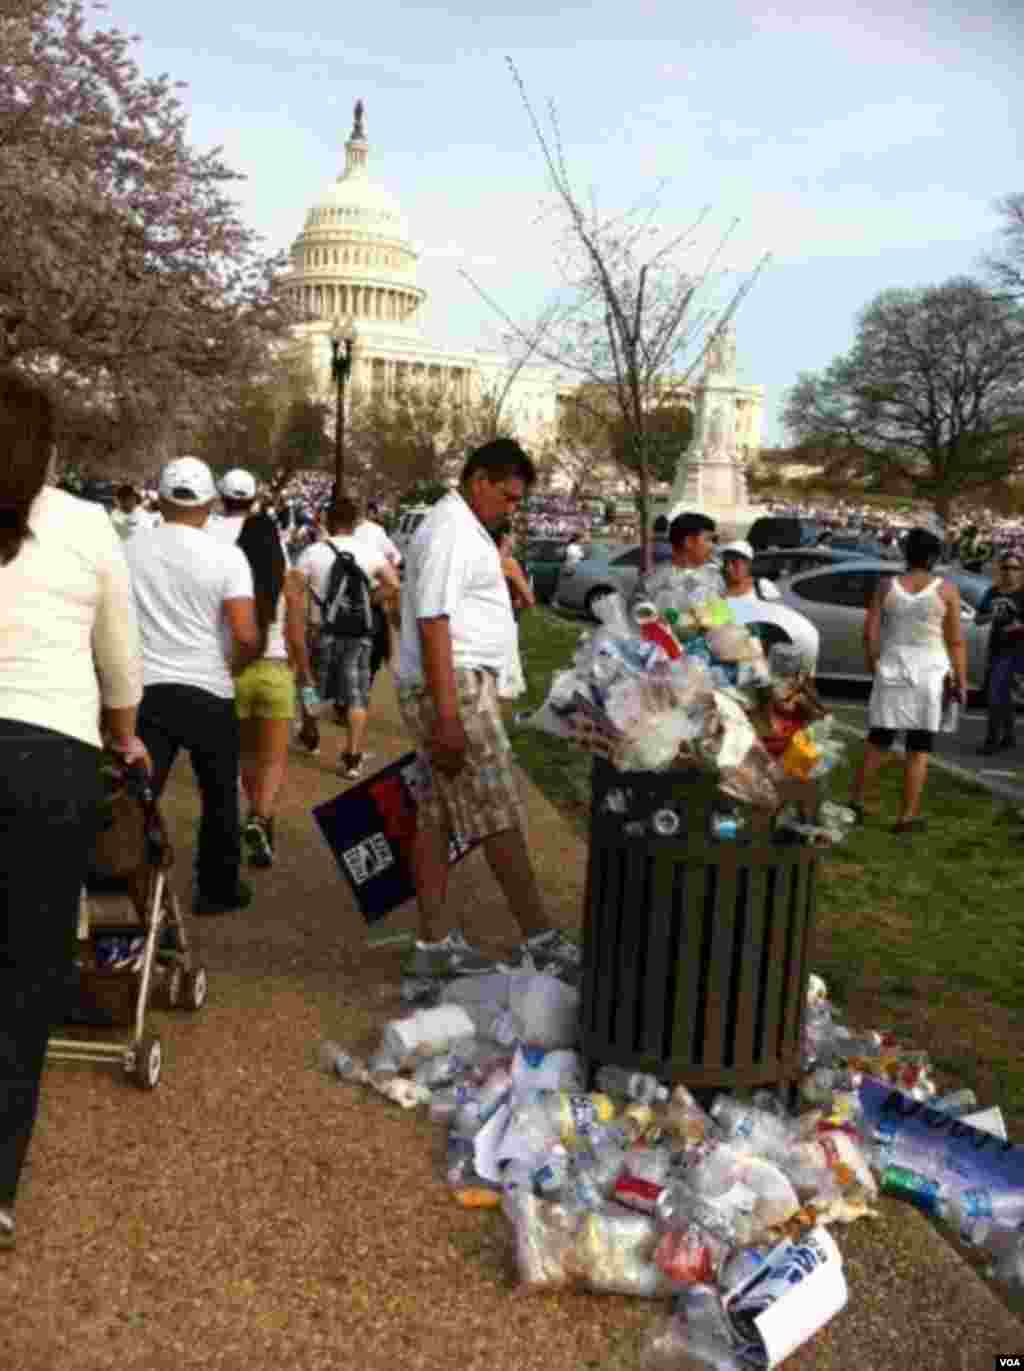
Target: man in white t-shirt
[(128, 515), (197, 624), (375, 536), (457, 632), (343, 664), (759, 603), (238, 494)]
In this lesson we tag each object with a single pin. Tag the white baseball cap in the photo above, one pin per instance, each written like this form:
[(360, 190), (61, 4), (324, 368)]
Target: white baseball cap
[(238, 485), (187, 481), (738, 548)]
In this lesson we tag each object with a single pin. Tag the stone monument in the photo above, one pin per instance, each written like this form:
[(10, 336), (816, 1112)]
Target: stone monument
[(711, 476)]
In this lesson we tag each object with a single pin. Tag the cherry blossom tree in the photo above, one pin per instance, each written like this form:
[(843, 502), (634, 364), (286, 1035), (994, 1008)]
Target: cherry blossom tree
[(127, 278)]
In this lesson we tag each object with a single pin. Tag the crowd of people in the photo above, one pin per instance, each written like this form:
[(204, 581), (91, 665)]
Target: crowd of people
[(197, 617), (976, 539)]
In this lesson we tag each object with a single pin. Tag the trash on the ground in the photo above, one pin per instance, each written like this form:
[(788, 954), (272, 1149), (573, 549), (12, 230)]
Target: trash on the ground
[(795, 1291), (725, 1204)]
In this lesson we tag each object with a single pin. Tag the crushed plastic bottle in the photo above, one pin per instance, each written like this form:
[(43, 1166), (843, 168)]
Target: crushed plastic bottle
[(750, 1127), (727, 1216), (956, 1104), (338, 1060), (634, 1085), (695, 1337)]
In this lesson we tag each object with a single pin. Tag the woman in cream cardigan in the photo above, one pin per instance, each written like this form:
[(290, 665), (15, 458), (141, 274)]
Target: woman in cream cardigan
[(67, 617)]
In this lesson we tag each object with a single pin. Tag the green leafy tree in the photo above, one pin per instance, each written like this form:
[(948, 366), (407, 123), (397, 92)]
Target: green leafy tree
[(303, 439), (931, 395), (418, 437)]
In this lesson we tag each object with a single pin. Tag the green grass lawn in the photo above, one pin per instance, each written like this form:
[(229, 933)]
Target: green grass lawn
[(925, 936)]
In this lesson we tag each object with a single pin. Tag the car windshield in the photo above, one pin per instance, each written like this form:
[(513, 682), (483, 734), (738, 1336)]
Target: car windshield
[(972, 588), (546, 551)]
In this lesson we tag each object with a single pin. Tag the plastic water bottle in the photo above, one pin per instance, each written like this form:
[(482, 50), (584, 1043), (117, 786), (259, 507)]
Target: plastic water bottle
[(849, 1044), (440, 1071), (634, 1085), (956, 1104), (446, 1103), (728, 1217), (1002, 1206), (310, 700), (751, 1128), (335, 1058)]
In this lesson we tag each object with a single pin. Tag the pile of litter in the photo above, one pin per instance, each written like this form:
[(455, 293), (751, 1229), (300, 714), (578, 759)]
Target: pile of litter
[(724, 1207), (679, 685)]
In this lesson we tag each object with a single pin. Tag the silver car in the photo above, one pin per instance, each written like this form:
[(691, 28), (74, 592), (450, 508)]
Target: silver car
[(835, 599), (606, 567)]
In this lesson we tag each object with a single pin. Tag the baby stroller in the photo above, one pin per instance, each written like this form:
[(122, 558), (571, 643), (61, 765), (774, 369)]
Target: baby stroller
[(125, 962)]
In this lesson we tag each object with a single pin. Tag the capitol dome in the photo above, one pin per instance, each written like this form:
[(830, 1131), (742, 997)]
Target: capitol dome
[(354, 258)]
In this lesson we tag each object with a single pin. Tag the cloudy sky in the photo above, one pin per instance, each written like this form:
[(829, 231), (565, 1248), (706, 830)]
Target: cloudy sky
[(862, 142)]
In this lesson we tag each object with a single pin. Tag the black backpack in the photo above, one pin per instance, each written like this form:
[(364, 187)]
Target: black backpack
[(346, 610)]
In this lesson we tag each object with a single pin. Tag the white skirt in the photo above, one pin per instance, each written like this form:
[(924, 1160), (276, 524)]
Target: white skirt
[(907, 692)]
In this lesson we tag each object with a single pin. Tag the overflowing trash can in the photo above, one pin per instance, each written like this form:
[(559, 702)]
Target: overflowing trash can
[(697, 926)]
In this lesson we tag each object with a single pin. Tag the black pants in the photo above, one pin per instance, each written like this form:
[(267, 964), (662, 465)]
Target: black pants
[(176, 716), (49, 815), (381, 641)]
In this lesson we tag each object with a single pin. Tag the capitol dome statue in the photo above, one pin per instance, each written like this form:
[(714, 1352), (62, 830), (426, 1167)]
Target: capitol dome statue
[(353, 274), (353, 259)]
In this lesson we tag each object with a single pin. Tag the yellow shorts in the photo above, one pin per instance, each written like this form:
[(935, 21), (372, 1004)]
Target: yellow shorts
[(265, 690)]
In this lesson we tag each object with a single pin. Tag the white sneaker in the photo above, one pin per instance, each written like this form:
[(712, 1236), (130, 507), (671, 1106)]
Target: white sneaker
[(552, 951), (452, 956)]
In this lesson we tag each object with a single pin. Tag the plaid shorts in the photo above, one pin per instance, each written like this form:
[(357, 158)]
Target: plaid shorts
[(344, 671), (483, 799)]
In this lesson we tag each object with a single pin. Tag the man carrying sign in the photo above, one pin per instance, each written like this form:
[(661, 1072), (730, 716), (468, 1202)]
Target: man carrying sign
[(457, 634)]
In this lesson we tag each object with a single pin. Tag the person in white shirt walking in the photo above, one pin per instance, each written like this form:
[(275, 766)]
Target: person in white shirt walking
[(457, 629), (129, 516), (69, 668), (385, 606), (343, 659), (197, 621), (238, 495)]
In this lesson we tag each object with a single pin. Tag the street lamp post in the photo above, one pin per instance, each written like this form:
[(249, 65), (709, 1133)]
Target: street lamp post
[(343, 339)]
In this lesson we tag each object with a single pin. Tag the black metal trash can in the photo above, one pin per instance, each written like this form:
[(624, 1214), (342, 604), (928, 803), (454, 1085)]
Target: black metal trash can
[(695, 950)]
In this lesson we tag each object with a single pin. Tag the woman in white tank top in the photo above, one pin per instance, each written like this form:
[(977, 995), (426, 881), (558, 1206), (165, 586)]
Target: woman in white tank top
[(913, 641), (265, 690)]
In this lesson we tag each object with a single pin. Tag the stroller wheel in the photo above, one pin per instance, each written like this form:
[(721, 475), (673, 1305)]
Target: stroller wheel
[(172, 987), (148, 1063), (195, 988)]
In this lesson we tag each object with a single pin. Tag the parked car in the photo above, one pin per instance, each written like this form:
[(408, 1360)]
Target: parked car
[(607, 567), (543, 559), (787, 561), (835, 599), (783, 530)]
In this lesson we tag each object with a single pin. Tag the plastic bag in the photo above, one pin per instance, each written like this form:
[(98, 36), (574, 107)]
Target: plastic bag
[(558, 1248), (547, 1008)]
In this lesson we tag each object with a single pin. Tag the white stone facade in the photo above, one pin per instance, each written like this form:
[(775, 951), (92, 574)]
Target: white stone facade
[(354, 260), (726, 435)]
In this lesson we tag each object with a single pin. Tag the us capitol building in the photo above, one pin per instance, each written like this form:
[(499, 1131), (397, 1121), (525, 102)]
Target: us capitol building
[(354, 264)]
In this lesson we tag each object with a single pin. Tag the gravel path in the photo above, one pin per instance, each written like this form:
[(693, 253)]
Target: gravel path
[(251, 1213)]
